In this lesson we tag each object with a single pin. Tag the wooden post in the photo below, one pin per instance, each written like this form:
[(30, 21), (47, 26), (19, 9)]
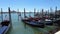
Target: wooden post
[(34, 11), (56, 11), (19, 14), (51, 12), (45, 13), (48, 14), (24, 13), (29, 14), (24, 17), (38, 13), (10, 15), (42, 13), (1, 14)]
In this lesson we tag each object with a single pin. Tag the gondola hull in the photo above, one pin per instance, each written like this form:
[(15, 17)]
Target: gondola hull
[(34, 24), (49, 23), (5, 25)]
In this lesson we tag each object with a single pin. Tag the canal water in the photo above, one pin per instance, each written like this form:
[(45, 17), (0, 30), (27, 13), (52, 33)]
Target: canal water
[(18, 27)]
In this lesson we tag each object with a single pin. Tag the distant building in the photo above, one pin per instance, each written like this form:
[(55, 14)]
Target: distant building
[(13, 11)]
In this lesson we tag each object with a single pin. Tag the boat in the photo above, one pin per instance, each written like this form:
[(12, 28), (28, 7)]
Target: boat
[(48, 22), (34, 23), (4, 27), (57, 21)]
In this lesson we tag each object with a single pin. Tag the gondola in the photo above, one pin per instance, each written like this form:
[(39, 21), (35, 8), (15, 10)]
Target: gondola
[(48, 22), (4, 27), (34, 23), (57, 21)]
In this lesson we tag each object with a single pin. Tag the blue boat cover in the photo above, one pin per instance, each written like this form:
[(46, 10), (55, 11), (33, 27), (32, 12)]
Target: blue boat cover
[(3, 29)]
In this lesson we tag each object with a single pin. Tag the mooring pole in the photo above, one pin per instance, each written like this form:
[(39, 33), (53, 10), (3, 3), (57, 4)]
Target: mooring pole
[(24, 17), (56, 11), (42, 14), (18, 14), (24, 13), (1, 14), (29, 14), (34, 11), (51, 10), (48, 14), (10, 15)]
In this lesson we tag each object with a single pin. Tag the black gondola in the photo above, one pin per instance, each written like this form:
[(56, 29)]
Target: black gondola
[(5, 24), (33, 23), (4, 27), (57, 22), (48, 22)]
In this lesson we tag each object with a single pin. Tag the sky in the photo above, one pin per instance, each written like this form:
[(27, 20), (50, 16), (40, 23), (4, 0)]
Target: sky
[(29, 5)]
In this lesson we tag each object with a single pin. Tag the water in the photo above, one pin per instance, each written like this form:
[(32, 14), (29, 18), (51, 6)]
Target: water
[(18, 27)]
